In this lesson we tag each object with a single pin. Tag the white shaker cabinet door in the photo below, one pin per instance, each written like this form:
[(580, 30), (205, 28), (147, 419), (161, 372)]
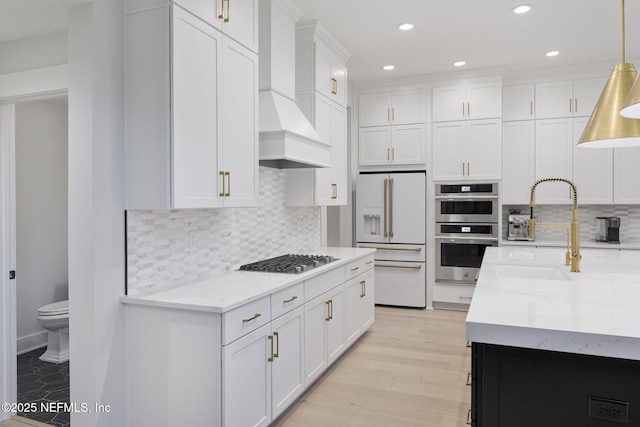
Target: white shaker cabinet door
[(287, 374), (592, 169), (626, 188), (449, 150), (240, 21), (554, 159), (374, 109), (239, 147), (408, 144), (375, 146), (246, 380), (518, 161), (517, 102), (316, 313), (554, 99), (197, 53), (336, 342), (483, 153)]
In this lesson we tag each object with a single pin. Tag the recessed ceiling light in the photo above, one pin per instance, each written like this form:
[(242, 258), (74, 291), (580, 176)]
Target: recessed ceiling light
[(406, 26), (523, 8), (388, 67), (552, 53), (459, 63)]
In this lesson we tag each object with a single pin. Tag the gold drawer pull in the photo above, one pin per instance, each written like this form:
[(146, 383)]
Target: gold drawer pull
[(293, 298), (355, 269), (369, 262), (254, 317)]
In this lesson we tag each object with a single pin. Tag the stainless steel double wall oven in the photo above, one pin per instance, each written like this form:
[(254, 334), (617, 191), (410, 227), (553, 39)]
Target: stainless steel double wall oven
[(466, 224)]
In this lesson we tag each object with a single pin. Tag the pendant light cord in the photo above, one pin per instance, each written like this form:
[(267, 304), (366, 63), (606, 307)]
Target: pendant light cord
[(623, 58)]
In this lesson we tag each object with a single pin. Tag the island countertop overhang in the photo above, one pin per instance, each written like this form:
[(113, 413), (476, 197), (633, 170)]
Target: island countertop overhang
[(595, 312)]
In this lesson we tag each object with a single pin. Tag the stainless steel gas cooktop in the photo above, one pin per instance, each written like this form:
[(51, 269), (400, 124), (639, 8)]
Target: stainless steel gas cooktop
[(289, 263)]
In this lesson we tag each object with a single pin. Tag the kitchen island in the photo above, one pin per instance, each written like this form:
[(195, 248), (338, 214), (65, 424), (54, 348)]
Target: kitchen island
[(555, 348)]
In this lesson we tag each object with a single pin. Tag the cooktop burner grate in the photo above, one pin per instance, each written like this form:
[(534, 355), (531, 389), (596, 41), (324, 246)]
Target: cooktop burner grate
[(288, 263)]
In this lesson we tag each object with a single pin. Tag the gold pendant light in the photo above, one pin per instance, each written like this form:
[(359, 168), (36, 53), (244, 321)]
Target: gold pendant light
[(606, 127)]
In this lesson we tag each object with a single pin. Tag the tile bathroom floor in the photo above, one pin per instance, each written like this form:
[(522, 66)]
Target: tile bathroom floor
[(42, 382)]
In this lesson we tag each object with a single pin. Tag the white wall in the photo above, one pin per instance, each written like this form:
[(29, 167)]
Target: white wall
[(41, 214), (96, 211), (33, 52)]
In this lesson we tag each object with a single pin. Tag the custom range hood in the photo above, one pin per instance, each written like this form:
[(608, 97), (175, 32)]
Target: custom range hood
[(287, 139)]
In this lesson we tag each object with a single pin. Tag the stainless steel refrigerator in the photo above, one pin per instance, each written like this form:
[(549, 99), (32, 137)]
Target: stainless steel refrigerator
[(391, 217)]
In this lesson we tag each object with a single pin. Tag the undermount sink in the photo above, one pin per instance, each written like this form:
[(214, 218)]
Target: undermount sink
[(531, 272)]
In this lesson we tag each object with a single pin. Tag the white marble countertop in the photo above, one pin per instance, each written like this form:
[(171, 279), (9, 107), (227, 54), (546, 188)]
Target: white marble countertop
[(583, 244), (226, 292), (596, 311)]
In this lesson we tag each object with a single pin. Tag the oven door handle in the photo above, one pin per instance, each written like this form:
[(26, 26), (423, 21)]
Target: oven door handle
[(463, 239), (466, 197), (414, 267)]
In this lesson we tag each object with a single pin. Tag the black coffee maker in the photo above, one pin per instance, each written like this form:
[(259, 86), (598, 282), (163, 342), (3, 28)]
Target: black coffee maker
[(608, 229)]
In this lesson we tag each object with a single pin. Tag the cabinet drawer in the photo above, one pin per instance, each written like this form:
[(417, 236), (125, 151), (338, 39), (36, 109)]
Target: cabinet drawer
[(359, 266), (244, 319), (287, 299), (322, 283), (452, 293)]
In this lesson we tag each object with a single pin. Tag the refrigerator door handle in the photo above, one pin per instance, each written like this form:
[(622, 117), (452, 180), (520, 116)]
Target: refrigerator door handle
[(385, 208), (391, 207)]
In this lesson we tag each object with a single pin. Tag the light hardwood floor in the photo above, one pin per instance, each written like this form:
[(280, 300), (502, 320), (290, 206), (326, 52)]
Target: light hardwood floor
[(409, 369), (22, 422)]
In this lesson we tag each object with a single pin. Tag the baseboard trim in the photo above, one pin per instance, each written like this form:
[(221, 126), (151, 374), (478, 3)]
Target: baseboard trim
[(31, 342)]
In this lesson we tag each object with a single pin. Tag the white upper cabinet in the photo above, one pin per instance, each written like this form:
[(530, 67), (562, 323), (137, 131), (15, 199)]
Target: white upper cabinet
[(391, 108), (467, 150), (191, 113), (321, 95), (626, 189), (518, 102), (237, 19), (568, 98), (392, 145), (467, 100), (331, 74), (554, 159), (518, 161)]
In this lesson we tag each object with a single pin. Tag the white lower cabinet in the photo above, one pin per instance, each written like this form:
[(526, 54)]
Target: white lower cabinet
[(246, 366), (359, 306), (246, 380), (262, 372), (324, 332)]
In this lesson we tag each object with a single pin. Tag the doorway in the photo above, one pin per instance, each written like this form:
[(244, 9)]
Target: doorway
[(33, 234)]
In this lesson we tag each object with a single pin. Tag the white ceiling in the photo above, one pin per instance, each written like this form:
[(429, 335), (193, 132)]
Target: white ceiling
[(484, 33)]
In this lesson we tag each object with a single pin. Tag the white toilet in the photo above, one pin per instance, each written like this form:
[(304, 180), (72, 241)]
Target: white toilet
[(55, 318)]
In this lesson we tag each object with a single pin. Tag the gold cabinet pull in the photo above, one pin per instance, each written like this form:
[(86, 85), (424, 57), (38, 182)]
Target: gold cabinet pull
[(575, 105), (393, 154), (270, 338), (228, 14), (469, 378), (468, 169), (531, 108), (388, 114), (468, 109), (468, 344), (463, 109), (222, 182), (221, 15), (355, 269), (469, 417), (391, 207), (385, 206), (277, 345), (363, 288), (382, 248), (334, 89), (330, 309), (293, 298), (328, 312), (570, 106), (369, 262), (254, 317), (393, 114), (335, 191), (228, 175), (413, 267)]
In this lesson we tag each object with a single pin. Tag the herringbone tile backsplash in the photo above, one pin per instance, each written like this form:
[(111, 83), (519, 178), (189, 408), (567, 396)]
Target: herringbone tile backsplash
[(166, 248)]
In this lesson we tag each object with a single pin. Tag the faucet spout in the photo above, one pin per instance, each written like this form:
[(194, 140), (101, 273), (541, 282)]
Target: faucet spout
[(575, 226)]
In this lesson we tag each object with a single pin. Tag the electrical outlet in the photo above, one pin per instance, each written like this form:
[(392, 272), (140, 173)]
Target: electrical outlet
[(609, 410)]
